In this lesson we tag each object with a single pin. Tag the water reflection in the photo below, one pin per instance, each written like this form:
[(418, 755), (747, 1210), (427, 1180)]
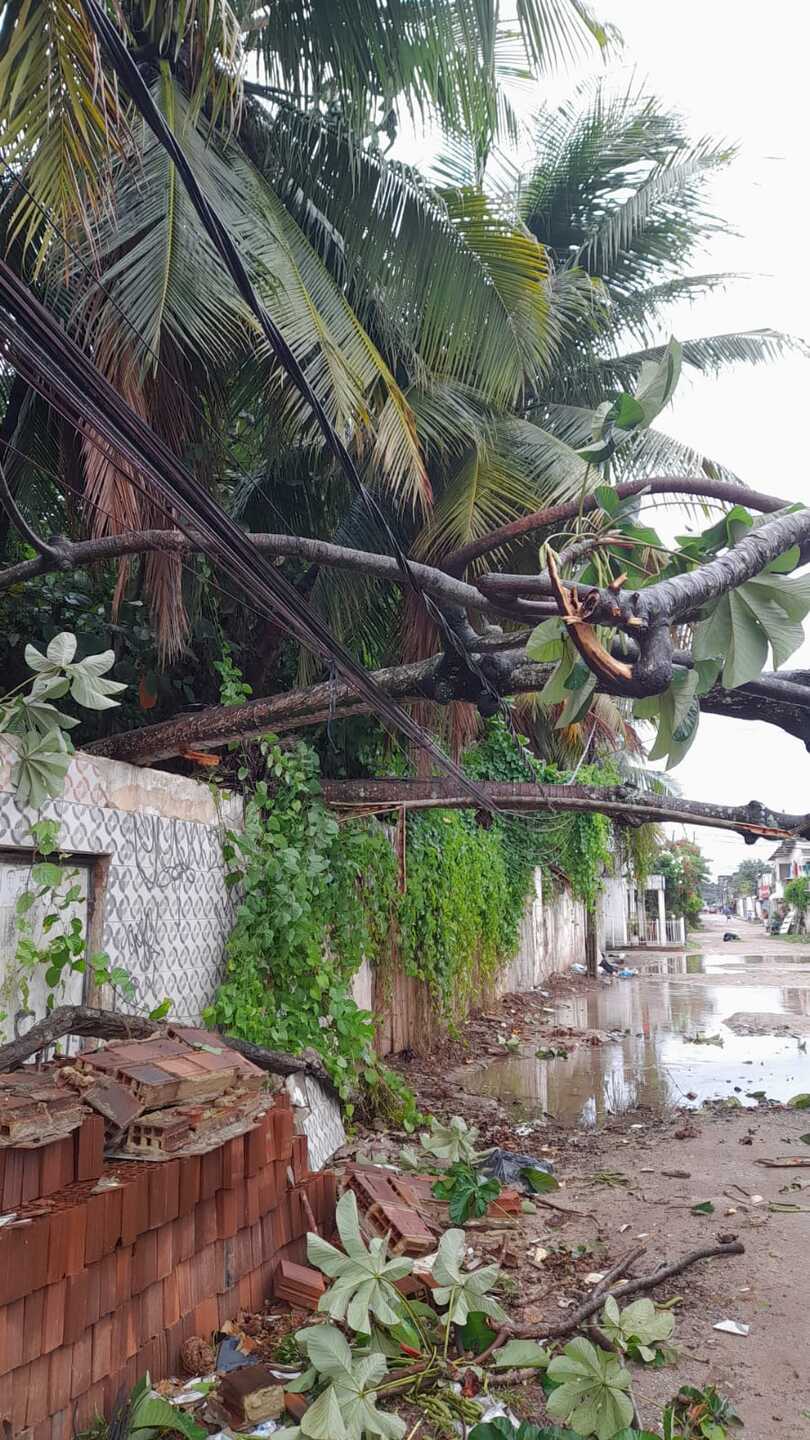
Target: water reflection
[(650, 1062)]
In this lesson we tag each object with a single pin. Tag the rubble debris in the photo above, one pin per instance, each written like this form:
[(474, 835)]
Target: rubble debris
[(252, 1393), (300, 1285), (197, 1356)]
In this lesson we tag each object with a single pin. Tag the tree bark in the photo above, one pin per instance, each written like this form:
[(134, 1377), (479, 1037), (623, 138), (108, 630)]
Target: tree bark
[(721, 490), (766, 700), (621, 802)]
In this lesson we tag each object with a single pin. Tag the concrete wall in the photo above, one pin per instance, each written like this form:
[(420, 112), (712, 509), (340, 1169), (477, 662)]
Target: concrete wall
[(150, 846)]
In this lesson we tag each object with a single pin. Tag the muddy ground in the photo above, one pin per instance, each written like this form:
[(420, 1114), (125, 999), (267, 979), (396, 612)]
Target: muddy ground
[(640, 1169)]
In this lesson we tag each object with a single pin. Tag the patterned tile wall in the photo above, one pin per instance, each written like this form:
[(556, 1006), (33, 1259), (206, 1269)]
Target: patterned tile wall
[(166, 909)]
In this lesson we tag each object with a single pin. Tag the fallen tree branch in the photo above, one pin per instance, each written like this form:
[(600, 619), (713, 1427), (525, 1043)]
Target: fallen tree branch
[(774, 699), (633, 1287), (88, 1022), (721, 490)]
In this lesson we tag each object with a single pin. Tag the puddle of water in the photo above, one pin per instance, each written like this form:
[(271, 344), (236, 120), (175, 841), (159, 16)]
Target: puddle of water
[(651, 1063)]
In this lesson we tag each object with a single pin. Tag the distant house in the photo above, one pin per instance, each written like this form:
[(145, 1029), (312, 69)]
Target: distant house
[(788, 861)]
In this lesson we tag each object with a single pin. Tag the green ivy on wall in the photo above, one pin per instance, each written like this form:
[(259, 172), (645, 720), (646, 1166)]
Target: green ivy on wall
[(468, 885), (317, 898)]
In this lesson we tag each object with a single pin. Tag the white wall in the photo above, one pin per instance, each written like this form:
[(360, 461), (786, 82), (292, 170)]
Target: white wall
[(152, 843)]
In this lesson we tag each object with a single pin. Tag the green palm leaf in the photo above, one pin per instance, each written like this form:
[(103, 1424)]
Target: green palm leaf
[(449, 282), (162, 273), (60, 118)]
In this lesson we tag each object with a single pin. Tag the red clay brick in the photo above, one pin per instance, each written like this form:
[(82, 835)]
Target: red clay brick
[(93, 1273), (206, 1317), (123, 1272), (59, 1370), (135, 1208), (189, 1183), (226, 1212), (102, 1345), (210, 1172), (300, 1157), (90, 1148), (76, 1233), (90, 1406), (53, 1317), (151, 1310), (32, 1326), (30, 1176), (113, 1212), (171, 1300), (255, 1150), (38, 1391), (252, 1200), (144, 1262), (13, 1179), (19, 1397), (165, 1250), (81, 1366), (185, 1286), (172, 1172), (75, 1307), (11, 1336), (62, 1425), (233, 1162), (94, 1237), (228, 1305), (108, 1297), (183, 1237), (206, 1222)]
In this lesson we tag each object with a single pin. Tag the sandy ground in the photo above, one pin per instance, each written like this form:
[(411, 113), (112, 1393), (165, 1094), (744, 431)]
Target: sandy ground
[(767, 1372)]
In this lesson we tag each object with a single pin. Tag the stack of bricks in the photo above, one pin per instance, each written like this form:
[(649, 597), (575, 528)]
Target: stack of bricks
[(104, 1278)]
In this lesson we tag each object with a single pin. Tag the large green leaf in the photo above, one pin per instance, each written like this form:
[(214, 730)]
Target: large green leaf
[(463, 1292), (592, 1390), (364, 1277)]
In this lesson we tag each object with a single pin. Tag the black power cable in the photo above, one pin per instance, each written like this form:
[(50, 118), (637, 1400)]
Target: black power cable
[(60, 371)]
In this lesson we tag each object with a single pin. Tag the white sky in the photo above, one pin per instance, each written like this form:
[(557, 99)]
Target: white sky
[(738, 72)]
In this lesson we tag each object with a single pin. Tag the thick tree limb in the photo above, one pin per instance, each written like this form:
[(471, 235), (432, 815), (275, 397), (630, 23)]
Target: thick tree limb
[(701, 485), (509, 670), (73, 555), (621, 802), (86, 1021)]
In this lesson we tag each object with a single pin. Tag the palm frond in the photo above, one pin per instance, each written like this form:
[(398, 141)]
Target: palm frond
[(160, 270), (708, 354), (60, 117), (516, 469), (449, 283), (641, 311), (427, 57)]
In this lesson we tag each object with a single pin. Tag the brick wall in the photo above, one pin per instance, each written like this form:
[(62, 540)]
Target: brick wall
[(104, 1282)]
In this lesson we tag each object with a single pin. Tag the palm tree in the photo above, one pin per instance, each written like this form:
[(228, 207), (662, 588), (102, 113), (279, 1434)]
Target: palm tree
[(372, 277)]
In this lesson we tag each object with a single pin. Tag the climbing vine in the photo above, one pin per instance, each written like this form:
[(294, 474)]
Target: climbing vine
[(316, 900), (468, 885)]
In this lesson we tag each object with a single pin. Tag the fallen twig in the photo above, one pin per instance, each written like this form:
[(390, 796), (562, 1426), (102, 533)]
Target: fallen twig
[(632, 1287)]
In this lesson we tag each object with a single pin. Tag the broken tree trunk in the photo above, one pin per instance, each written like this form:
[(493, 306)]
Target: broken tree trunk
[(113, 1025)]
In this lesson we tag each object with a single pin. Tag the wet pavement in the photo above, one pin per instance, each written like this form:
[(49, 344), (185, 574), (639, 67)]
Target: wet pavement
[(652, 1021)]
